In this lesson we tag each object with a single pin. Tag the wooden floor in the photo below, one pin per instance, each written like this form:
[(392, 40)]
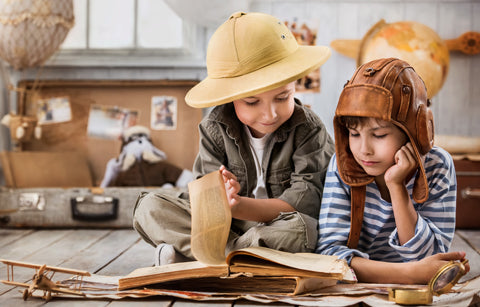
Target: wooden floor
[(118, 252)]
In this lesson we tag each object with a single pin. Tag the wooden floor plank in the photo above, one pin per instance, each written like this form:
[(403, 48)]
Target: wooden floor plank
[(67, 244), (245, 303), (140, 254), (77, 303), (17, 301), (58, 252), (459, 244), (88, 250), (472, 237), (24, 249), (118, 252), (187, 303), (8, 236), (29, 244), (103, 251), (62, 251), (149, 302)]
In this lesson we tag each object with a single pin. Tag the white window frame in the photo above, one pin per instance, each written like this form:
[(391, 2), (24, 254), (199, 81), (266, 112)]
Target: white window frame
[(190, 54)]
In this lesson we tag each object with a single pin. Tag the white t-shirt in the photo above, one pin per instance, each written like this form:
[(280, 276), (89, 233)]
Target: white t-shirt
[(257, 145)]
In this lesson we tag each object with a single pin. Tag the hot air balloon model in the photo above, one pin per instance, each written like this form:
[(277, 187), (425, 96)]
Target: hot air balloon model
[(31, 31)]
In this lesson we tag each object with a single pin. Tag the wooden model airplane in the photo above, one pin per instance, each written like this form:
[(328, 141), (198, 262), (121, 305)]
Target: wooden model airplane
[(42, 279)]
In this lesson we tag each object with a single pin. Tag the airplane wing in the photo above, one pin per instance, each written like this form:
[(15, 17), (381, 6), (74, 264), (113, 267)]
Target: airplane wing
[(47, 268)]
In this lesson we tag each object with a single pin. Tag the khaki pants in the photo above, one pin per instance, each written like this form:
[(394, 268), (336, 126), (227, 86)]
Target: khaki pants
[(161, 218)]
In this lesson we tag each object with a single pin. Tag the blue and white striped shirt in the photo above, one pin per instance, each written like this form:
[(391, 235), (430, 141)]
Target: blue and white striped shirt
[(378, 239)]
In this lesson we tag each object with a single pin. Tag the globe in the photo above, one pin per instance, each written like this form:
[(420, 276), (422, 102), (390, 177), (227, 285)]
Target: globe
[(412, 42)]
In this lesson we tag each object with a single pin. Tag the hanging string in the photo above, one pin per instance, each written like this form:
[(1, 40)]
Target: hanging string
[(7, 81)]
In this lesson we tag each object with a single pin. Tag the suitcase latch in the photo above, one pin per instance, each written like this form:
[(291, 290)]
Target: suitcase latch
[(31, 201)]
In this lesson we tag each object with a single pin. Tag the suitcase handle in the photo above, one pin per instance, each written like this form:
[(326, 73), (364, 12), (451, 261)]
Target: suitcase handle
[(470, 193), (78, 214)]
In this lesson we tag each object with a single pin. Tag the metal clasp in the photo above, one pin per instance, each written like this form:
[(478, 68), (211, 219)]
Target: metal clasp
[(369, 71), (31, 201)]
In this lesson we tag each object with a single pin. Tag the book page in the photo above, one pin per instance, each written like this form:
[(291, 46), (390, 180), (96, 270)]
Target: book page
[(170, 272), (211, 218), (322, 265)]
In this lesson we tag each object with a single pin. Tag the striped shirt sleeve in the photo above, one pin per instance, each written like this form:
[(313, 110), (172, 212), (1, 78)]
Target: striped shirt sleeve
[(436, 217)]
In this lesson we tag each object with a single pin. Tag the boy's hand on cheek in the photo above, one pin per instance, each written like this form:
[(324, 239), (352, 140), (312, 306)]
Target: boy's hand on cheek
[(405, 164)]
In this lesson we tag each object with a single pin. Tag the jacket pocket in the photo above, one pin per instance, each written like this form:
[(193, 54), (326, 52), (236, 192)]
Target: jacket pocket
[(279, 181)]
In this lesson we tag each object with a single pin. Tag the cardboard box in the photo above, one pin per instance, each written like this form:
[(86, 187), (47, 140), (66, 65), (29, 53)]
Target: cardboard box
[(45, 169)]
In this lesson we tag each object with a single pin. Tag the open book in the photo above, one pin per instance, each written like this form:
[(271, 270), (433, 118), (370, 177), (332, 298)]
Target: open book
[(252, 269)]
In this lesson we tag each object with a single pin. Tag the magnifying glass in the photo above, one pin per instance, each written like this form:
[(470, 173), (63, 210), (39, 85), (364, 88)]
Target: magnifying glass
[(442, 282)]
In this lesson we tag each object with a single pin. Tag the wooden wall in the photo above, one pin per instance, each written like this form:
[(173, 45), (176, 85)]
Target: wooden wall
[(456, 107)]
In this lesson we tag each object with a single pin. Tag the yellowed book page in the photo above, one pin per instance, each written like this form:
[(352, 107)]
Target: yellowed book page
[(311, 284), (170, 272), (211, 219), (324, 264), (273, 269)]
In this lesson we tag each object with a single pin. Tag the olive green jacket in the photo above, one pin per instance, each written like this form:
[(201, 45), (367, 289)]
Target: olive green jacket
[(294, 162)]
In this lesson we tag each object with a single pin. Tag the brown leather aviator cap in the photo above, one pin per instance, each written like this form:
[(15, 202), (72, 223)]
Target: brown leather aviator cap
[(387, 89)]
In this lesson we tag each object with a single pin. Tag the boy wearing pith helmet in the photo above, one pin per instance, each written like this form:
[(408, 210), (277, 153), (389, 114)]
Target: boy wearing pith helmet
[(390, 195), (272, 151)]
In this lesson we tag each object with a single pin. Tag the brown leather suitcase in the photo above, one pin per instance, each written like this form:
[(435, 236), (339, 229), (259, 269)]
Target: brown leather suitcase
[(468, 194)]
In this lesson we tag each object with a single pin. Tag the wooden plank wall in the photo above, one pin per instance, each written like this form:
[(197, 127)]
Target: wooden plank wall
[(456, 107)]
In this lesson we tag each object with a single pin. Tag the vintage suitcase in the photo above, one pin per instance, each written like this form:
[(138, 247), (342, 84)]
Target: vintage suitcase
[(468, 193), (54, 181), (72, 207)]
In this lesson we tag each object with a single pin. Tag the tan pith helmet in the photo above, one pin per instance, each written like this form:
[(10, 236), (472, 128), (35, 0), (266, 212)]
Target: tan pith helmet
[(249, 54)]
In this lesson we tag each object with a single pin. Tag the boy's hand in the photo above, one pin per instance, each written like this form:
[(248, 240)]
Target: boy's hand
[(405, 165), (426, 268), (231, 186), (251, 209), (414, 272)]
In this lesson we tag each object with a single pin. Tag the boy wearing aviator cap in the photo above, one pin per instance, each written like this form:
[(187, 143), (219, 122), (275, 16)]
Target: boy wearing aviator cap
[(271, 150), (390, 195)]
